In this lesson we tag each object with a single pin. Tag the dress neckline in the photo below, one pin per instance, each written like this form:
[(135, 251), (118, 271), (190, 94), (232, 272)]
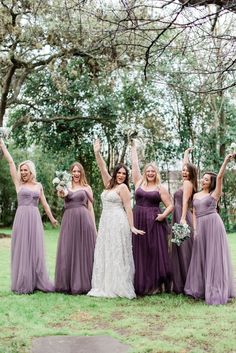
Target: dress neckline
[(107, 190), (196, 198), (73, 192), (24, 187), (156, 190)]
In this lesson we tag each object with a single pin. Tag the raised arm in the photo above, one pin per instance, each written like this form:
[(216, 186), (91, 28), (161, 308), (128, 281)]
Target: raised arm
[(136, 174), (125, 197), (166, 199), (187, 193), (219, 179), (11, 163), (46, 207), (186, 156), (101, 163), (90, 205)]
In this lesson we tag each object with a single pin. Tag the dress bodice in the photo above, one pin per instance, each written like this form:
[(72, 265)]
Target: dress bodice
[(147, 198), (205, 206), (110, 198), (27, 197), (178, 198), (76, 198)]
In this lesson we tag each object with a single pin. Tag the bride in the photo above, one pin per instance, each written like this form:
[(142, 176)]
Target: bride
[(113, 268)]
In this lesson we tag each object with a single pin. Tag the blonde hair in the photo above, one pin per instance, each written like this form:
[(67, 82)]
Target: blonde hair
[(83, 180), (157, 178), (31, 167)]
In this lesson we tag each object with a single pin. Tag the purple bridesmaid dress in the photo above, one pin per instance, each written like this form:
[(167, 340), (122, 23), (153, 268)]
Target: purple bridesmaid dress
[(181, 255), (150, 251), (210, 275), (76, 245), (29, 271)]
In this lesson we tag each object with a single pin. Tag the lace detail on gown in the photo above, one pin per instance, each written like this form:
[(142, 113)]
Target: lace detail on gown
[(113, 269)]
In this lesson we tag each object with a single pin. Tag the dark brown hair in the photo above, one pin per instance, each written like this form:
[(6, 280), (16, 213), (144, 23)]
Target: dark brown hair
[(112, 182), (213, 186), (192, 175), (213, 180)]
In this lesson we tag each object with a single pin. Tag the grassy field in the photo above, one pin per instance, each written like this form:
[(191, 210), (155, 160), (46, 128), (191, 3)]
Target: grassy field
[(154, 324)]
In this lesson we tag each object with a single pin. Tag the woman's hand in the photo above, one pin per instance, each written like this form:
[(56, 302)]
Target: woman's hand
[(137, 231), (97, 146), (160, 217), (54, 222), (183, 221), (62, 193), (188, 150), (230, 157)]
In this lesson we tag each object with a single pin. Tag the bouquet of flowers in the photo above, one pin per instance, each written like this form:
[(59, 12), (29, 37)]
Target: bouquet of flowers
[(62, 180), (4, 132), (181, 232)]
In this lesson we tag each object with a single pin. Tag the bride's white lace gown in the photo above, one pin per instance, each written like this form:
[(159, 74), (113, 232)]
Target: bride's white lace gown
[(113, 269)]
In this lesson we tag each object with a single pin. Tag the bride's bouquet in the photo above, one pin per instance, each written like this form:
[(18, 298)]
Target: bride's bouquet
[(62, 180), (181, 232)]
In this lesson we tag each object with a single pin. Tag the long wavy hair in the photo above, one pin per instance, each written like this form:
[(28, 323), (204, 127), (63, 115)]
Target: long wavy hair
[(213, 180), (112, 182), (192, 176), (157, 178), (83, 180), (32, 169)]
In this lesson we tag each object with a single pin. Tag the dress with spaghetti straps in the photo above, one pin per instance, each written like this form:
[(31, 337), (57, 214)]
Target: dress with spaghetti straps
[(76, 244), (210, 275), (28, 268), (181, 255), (150, 251)]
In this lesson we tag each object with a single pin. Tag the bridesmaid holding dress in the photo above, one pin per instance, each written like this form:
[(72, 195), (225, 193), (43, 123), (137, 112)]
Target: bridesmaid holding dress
[(28, 269), (181, 255), (210, 275), (75, 252), (150, 251)]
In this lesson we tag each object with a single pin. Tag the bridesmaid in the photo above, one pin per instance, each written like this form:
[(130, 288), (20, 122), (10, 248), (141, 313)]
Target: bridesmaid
[(28, 269), (210, 272), (151, 258), (75, 252), (181, 255)]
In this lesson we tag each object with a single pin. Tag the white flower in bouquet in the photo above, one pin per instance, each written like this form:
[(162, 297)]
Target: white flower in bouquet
[(62, 180), (4, 132), (181, 232)]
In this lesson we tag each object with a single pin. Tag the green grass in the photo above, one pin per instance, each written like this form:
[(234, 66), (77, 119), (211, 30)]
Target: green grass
[(154, 324)]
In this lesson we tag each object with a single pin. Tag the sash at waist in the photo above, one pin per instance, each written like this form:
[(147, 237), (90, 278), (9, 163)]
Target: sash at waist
[(198, 215), (149, 206), (27, 205), (73, 205)]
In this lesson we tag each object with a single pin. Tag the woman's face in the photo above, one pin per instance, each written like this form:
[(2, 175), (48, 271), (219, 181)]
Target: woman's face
[(76, 173), (25, 173), (150, 174), (121, 176), (206, 182), (185, 173)]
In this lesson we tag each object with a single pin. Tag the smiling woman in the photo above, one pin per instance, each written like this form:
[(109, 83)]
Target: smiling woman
[(113, 269), (76, 244), (28, 269), (151, 258)]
